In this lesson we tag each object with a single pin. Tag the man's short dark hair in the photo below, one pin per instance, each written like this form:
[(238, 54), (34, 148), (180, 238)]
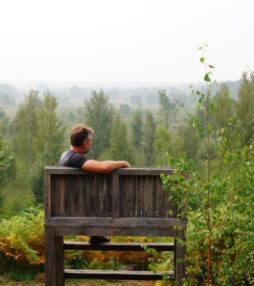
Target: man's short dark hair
[(79, 133)]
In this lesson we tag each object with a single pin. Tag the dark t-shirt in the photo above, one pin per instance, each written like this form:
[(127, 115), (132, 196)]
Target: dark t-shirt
[(72, 159)]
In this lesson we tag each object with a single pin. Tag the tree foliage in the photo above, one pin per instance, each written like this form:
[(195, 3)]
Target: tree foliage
[(47, 143), (99, 116), (225, 107), (190, 139), (168, 109), (49, 135), (217, 199), (120, 148), (7, 163), (38, 136), (229, 230), (245, 108), (7, 167), (149, 138), (136, 127), (162, 146), (4, 123), (24, 128)]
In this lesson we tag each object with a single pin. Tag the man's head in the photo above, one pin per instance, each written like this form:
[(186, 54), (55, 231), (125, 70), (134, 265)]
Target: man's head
[(81, 136)]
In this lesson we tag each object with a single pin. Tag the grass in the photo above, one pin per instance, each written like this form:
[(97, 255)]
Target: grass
[(39, 281)]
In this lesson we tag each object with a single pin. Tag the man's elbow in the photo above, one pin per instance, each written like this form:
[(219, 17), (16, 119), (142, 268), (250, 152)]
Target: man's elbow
[(104, 168)]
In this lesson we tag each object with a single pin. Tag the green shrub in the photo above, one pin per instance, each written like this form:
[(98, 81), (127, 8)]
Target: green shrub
[(22, 238)]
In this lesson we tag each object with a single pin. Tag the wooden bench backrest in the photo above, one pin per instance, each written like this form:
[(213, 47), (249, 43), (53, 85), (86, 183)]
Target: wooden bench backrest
[(131, 192)]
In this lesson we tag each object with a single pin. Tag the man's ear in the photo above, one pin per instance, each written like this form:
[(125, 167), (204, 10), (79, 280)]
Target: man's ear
[(84, 143)]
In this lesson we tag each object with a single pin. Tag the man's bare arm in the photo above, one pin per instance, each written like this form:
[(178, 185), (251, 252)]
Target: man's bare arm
[(104, 166)]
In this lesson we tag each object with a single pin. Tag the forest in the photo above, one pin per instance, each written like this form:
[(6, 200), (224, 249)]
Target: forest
[(206, 131)]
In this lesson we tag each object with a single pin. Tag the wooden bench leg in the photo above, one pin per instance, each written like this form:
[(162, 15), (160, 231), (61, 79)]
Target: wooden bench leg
[(179, 258), (54, 258)]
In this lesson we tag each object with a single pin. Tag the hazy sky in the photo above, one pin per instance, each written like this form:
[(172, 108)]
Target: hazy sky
[(124, 40)]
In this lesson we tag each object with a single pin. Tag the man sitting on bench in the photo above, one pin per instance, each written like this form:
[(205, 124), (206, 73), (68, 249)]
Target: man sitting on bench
[(81, 140)]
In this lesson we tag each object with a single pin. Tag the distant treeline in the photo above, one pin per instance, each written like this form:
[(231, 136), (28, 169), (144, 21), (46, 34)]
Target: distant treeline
[(12, 95)]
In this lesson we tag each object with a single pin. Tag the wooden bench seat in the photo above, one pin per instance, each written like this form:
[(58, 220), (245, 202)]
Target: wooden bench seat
[(116, 275), (119, 246)]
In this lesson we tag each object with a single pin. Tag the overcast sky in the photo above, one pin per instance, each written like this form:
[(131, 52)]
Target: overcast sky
[(124, 40)]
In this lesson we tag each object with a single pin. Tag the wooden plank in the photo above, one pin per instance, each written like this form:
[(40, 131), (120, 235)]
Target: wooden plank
[(144, 171), (107, 190), (93, 196), (54, 258), (67, 197), (73, 188), (54, 196), (179, 257), (61, 191), (136, 195), (133, 194), (124, 197), (118, 246), (116, 227), (49, 261), (139, 196), (115, 197), (117, 231), (82, 197), (119, 275), (59, 259), (129, 222), (87, 190), (122, 171), (47, 194), (147, 197), (151, 196)]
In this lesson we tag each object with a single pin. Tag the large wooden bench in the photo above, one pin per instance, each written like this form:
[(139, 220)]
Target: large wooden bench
[(127, 202)]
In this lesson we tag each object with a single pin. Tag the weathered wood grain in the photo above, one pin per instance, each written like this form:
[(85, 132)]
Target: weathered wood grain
[(119, 275), (127, 202), (119, 246)]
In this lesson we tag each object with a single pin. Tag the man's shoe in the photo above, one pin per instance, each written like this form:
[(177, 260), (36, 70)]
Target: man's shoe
[(98, 239)]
